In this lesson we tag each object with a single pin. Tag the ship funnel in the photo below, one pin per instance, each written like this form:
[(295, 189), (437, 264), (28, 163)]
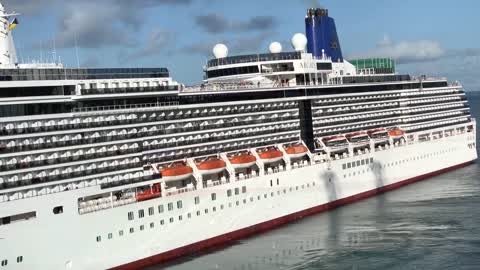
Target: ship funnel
[(322, 34)]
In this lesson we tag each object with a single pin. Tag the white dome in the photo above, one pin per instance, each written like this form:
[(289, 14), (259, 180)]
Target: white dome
[(299, 42), (220, 51), (275, 47)]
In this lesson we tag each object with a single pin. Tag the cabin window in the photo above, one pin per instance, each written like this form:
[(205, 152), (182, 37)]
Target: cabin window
[(214, 196), (170, 206), (353, 164), (198, 213), (229, 193), (162, 222), (244, 201), (180, 217), (237, 203), (4, 263), (58, 210), (349, 165), (120, 233), (19, 259), (244, 189), (358, 163), (214, 209), (237, 191), (206, 211), (152, 225), (197, 200), (141, 213), (110, 236), (278, 181), (132, 230), (151, 211), (221, 207), (251, 199), (179, 204), (189, 215), (271, 183), (363, 162), (367, 161), (371, 160), (160, 209), (130, 215), (142, 227), (99, 238), (344, 166)]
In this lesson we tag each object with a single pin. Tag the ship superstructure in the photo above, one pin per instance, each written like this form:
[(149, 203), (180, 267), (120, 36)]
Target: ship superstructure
[(124, 168)]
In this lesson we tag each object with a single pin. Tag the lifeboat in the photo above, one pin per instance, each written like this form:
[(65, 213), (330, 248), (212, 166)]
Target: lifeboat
[(296, 151), (243, 161), (175, 172), (378, 133), (358, 137), (271, 155), (211, 166), (396, 133), (149, 194)]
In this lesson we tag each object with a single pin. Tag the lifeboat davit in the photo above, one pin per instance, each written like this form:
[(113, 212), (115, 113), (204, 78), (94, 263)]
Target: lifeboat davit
[(396, 133), (271, 155), (211, 166), (242, 161), (175, 172), (296, 151)]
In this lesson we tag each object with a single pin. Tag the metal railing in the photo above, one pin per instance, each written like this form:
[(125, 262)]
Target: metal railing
[(126, 107)]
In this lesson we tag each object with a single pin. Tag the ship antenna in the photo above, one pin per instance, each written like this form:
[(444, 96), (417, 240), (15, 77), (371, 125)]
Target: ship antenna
[(76, 49)]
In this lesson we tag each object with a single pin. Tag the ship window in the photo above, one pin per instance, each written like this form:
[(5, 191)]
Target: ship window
[(244, 189), (229, 193), (265, 196), (110, 236), (271, 194), (19, 259), (296, 188), (142, 227), (221, 206), (162, 222), (271, 183), (58, 210), (160, 209), (237, 191), (244, 201), (99, 238), (353, 164), (251, 199), (141, 213), (189, 215), (120, 233), (179, 204), (132, 230), (180, 217), (214, 196), (363, 161), (152, 225), (151, 211), (349, 165), (197, 200), (206, 211), (358, 162), (237, 203), (198, 213), (259, 197), (130, 215), (344, 166), (278, 181), (170, 206), (4, 263), (371, 160)]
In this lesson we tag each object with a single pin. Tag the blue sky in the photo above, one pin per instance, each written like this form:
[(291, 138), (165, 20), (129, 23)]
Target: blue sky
[(431, 37)]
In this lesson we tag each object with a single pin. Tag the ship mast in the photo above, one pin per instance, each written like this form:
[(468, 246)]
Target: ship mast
[(8, 55)]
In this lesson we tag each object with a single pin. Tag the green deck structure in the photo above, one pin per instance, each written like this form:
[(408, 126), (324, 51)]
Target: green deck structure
[(380, 65)]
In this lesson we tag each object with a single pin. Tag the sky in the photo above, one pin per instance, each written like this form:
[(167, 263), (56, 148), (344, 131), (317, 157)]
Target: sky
[(431, 37)]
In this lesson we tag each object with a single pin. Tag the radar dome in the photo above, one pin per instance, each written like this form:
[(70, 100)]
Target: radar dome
[(299, 42), (220, 51), (275, 47)]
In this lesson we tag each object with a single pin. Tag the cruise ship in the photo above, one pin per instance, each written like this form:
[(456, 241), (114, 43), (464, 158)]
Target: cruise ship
[(126, 168)]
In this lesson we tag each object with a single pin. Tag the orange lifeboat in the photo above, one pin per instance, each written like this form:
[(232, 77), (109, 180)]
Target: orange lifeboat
[(211, 166), (358, 137), (149, 194), (243, 161), (175, 172), (396, 133), (296, 151), (271, 155)]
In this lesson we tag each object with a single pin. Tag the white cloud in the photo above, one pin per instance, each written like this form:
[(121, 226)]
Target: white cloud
[(406, 51)]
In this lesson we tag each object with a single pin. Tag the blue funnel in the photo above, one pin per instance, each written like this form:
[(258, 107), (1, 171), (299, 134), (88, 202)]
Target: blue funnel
[(322, 35)]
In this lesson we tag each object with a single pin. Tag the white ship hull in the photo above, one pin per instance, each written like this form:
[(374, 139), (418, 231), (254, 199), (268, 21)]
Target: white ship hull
[(270, 200)]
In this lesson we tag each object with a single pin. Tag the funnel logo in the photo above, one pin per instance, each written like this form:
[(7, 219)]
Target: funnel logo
[(334, 45)]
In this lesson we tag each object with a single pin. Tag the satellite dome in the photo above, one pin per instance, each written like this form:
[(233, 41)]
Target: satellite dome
[(275, 47), (299, 42), (220, 51)]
